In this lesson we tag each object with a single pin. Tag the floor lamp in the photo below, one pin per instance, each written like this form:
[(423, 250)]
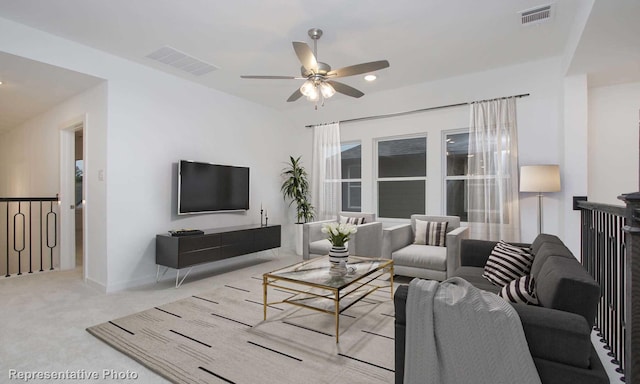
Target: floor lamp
[(540, 178)]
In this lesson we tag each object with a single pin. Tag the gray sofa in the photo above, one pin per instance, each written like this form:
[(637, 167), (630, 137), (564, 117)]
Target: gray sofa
[(423, 261), (558, 331), (366, 242)]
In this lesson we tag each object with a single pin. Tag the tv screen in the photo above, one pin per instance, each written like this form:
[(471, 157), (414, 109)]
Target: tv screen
[(204, 187)]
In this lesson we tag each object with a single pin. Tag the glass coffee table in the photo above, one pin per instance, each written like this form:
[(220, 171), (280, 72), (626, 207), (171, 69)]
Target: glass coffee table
[(314, 286)]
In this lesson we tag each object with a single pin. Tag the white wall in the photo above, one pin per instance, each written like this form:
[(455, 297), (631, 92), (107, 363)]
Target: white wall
[(614, 114), (573, 172), (539, 126), (153, 124), (29, 164), (153, 120)]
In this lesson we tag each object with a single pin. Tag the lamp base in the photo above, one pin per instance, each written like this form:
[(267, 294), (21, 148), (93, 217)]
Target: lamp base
[(539, 213)]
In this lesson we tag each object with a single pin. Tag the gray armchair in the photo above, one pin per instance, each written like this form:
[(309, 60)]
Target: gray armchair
[(366, 242), (424, 261)]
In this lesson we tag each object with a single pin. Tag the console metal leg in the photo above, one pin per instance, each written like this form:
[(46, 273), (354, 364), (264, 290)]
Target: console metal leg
[(183, 277), (158, 273)]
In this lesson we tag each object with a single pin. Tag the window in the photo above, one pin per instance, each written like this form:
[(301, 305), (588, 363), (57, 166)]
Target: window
[(457, 174), (351, 159), (402, 177), (458, 182)]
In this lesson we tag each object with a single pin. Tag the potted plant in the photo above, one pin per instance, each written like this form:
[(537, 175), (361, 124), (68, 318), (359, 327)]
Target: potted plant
[(296, 188)]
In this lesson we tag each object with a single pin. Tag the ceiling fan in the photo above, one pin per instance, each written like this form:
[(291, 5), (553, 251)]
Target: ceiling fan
[(319, 84)]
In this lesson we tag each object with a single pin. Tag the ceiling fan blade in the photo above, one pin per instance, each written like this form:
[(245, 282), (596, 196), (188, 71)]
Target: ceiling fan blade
[(269, 77), (345, 89), (295, 95), (306, 56), (359, 69)]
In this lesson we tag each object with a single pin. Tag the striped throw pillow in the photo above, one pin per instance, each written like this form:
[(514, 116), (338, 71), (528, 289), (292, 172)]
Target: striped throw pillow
[(506, 263), (351, 220), (521, 290), (431, 233)]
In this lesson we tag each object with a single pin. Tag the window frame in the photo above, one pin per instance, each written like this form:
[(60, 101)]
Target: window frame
[(445, 176), (377, 179), (351, 180)]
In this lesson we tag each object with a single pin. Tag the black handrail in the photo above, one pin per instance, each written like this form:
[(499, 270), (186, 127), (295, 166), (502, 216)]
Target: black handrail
[(22, 238), (618, 210), (15, 199)]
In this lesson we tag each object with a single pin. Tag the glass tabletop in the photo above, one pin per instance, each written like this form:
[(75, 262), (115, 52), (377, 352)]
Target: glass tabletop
[(317, 271)]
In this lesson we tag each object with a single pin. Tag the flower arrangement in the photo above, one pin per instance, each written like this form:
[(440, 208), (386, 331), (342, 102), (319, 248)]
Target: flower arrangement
[(338, 233)]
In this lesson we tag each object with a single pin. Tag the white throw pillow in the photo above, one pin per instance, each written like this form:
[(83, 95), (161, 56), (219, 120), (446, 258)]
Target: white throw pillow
[(431, 233)]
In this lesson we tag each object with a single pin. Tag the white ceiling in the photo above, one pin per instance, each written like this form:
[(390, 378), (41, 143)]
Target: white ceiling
[(423, 40), (609, 48), (30, 88)]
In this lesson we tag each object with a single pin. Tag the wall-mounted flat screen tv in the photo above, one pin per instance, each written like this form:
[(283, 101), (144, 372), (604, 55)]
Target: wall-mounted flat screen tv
[(205, 187)]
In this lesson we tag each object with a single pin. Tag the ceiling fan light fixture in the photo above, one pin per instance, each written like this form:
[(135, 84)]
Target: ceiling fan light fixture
[(319, 78), (327, 90), (308, 88), (315, 96)]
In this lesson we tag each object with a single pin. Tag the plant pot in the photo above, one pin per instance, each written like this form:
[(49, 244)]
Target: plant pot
[(298, 239), (338, 257)]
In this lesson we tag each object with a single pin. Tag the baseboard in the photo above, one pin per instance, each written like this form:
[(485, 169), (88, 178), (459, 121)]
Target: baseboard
[(130, 284), (95, 285)]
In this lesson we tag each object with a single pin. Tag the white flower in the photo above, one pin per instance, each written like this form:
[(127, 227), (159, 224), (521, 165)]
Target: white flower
[(338, 233)]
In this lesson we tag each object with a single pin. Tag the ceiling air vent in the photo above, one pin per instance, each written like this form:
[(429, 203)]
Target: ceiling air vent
[(171, 56), (535, 15)]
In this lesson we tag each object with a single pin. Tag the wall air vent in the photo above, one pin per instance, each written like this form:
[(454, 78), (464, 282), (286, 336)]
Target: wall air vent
[(171, 56), (535, 15)]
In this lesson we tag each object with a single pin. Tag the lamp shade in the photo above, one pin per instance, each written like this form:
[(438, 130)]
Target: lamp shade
[(540, 178)]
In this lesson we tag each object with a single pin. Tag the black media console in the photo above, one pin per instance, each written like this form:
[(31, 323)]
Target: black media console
[(215, 244)]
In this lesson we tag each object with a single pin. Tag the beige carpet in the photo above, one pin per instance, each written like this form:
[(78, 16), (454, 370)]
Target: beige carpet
[(219, 337)]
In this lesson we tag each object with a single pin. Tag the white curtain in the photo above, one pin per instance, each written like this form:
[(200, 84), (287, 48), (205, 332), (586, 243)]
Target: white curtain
[(494, 211), (326, 196)]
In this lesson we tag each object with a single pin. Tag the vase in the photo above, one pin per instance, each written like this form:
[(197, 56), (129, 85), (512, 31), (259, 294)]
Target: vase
[(338, 256)]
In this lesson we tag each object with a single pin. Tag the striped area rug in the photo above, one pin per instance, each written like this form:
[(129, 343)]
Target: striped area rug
[(220, 337)]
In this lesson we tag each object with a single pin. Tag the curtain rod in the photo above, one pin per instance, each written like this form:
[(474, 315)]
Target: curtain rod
[(416, 110)]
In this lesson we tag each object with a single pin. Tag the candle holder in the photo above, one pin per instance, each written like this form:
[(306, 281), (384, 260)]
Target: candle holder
[(261, 211)]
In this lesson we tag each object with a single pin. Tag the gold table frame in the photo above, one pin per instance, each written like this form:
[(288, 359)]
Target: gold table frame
[(315, 274)]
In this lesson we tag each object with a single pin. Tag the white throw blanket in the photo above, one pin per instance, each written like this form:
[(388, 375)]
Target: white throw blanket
[(458, 334)]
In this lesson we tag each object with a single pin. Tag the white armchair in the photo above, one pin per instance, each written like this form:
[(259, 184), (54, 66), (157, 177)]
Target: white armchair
[(424, 261), (366, 242)]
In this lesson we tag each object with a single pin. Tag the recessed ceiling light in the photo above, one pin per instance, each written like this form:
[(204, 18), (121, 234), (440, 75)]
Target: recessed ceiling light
[(370, 77), (0, 82)]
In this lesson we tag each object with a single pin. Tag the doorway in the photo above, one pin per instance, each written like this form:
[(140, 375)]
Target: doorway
[(73, 196), (79, 199)]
